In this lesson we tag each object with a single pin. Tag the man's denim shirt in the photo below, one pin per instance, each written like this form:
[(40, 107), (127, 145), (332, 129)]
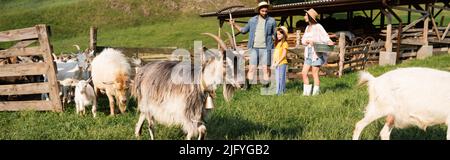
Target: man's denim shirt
[(251, 27)]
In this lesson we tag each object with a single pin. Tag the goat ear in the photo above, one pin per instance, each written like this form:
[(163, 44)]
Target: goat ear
[(74, 83), (68, 82), (108, 83), (203, 58), (89, 80), (206, 61)]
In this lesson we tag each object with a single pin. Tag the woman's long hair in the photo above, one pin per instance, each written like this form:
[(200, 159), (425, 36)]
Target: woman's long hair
[(311, 20), (284, 39)]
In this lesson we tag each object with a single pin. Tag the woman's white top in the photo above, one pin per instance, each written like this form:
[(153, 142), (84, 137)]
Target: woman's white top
[(317, 34)]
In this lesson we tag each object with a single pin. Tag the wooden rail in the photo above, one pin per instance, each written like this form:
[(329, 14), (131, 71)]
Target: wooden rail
[(26, 37)]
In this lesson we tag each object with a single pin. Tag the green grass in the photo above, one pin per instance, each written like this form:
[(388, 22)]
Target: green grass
[(179, 33), (125, 23), (249, 115), (132, 23)]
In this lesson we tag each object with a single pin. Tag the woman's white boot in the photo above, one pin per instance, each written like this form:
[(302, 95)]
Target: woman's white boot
[(307, 89), (316, 90)]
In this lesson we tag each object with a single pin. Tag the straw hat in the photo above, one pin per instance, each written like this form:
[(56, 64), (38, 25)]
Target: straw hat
[(311, 12), (262, 4), (285, 30)]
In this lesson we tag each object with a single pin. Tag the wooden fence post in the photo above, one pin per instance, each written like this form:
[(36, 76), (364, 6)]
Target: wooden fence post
[(425, 50), (341, 53), (93, 39), (298, 39), (425, 27), (388, 57), (26, 37), (47, 51)]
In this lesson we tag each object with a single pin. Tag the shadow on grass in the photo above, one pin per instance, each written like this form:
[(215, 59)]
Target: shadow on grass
[(414, 133), (103, 105), (234, 127), (337, 87), (298, 85), (294, 85)]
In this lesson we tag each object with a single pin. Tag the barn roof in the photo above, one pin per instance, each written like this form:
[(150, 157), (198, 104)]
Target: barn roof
[(322, 6)]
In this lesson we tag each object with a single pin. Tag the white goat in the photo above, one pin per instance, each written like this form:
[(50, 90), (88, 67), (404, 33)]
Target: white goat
[(407, 96), (76, 67), (84, 95), (110, 74), (84, 60), (67, 71)]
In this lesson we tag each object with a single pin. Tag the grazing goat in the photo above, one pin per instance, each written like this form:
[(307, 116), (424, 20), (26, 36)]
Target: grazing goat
[(84, 95), (162, 97), (110, 75), (407, 96)]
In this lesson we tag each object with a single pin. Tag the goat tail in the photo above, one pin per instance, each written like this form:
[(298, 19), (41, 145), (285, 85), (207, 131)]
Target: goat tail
[(365, 77)]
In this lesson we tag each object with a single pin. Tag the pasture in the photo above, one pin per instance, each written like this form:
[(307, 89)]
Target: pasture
[(129, 23), (329, 116)]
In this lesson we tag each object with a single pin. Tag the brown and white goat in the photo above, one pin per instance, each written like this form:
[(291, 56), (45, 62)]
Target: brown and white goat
[(110, 75), (168, 94)]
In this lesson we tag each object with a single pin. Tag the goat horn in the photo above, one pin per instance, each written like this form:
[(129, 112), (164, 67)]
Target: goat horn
[(77, 46), (219, 41), (230, 38)]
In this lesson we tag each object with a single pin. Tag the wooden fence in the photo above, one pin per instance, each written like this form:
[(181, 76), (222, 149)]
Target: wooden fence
[(345, 57), (23, 39)]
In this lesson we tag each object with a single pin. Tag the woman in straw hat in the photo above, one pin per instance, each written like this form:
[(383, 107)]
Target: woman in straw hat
[(279, 59), (314, 34), (261, 29)]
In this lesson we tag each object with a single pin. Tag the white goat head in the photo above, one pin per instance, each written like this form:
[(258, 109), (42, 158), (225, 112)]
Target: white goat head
[(120, 87), (82, 85)]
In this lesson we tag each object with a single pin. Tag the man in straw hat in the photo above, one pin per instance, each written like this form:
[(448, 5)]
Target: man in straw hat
[(260, 43), (314, 36)]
